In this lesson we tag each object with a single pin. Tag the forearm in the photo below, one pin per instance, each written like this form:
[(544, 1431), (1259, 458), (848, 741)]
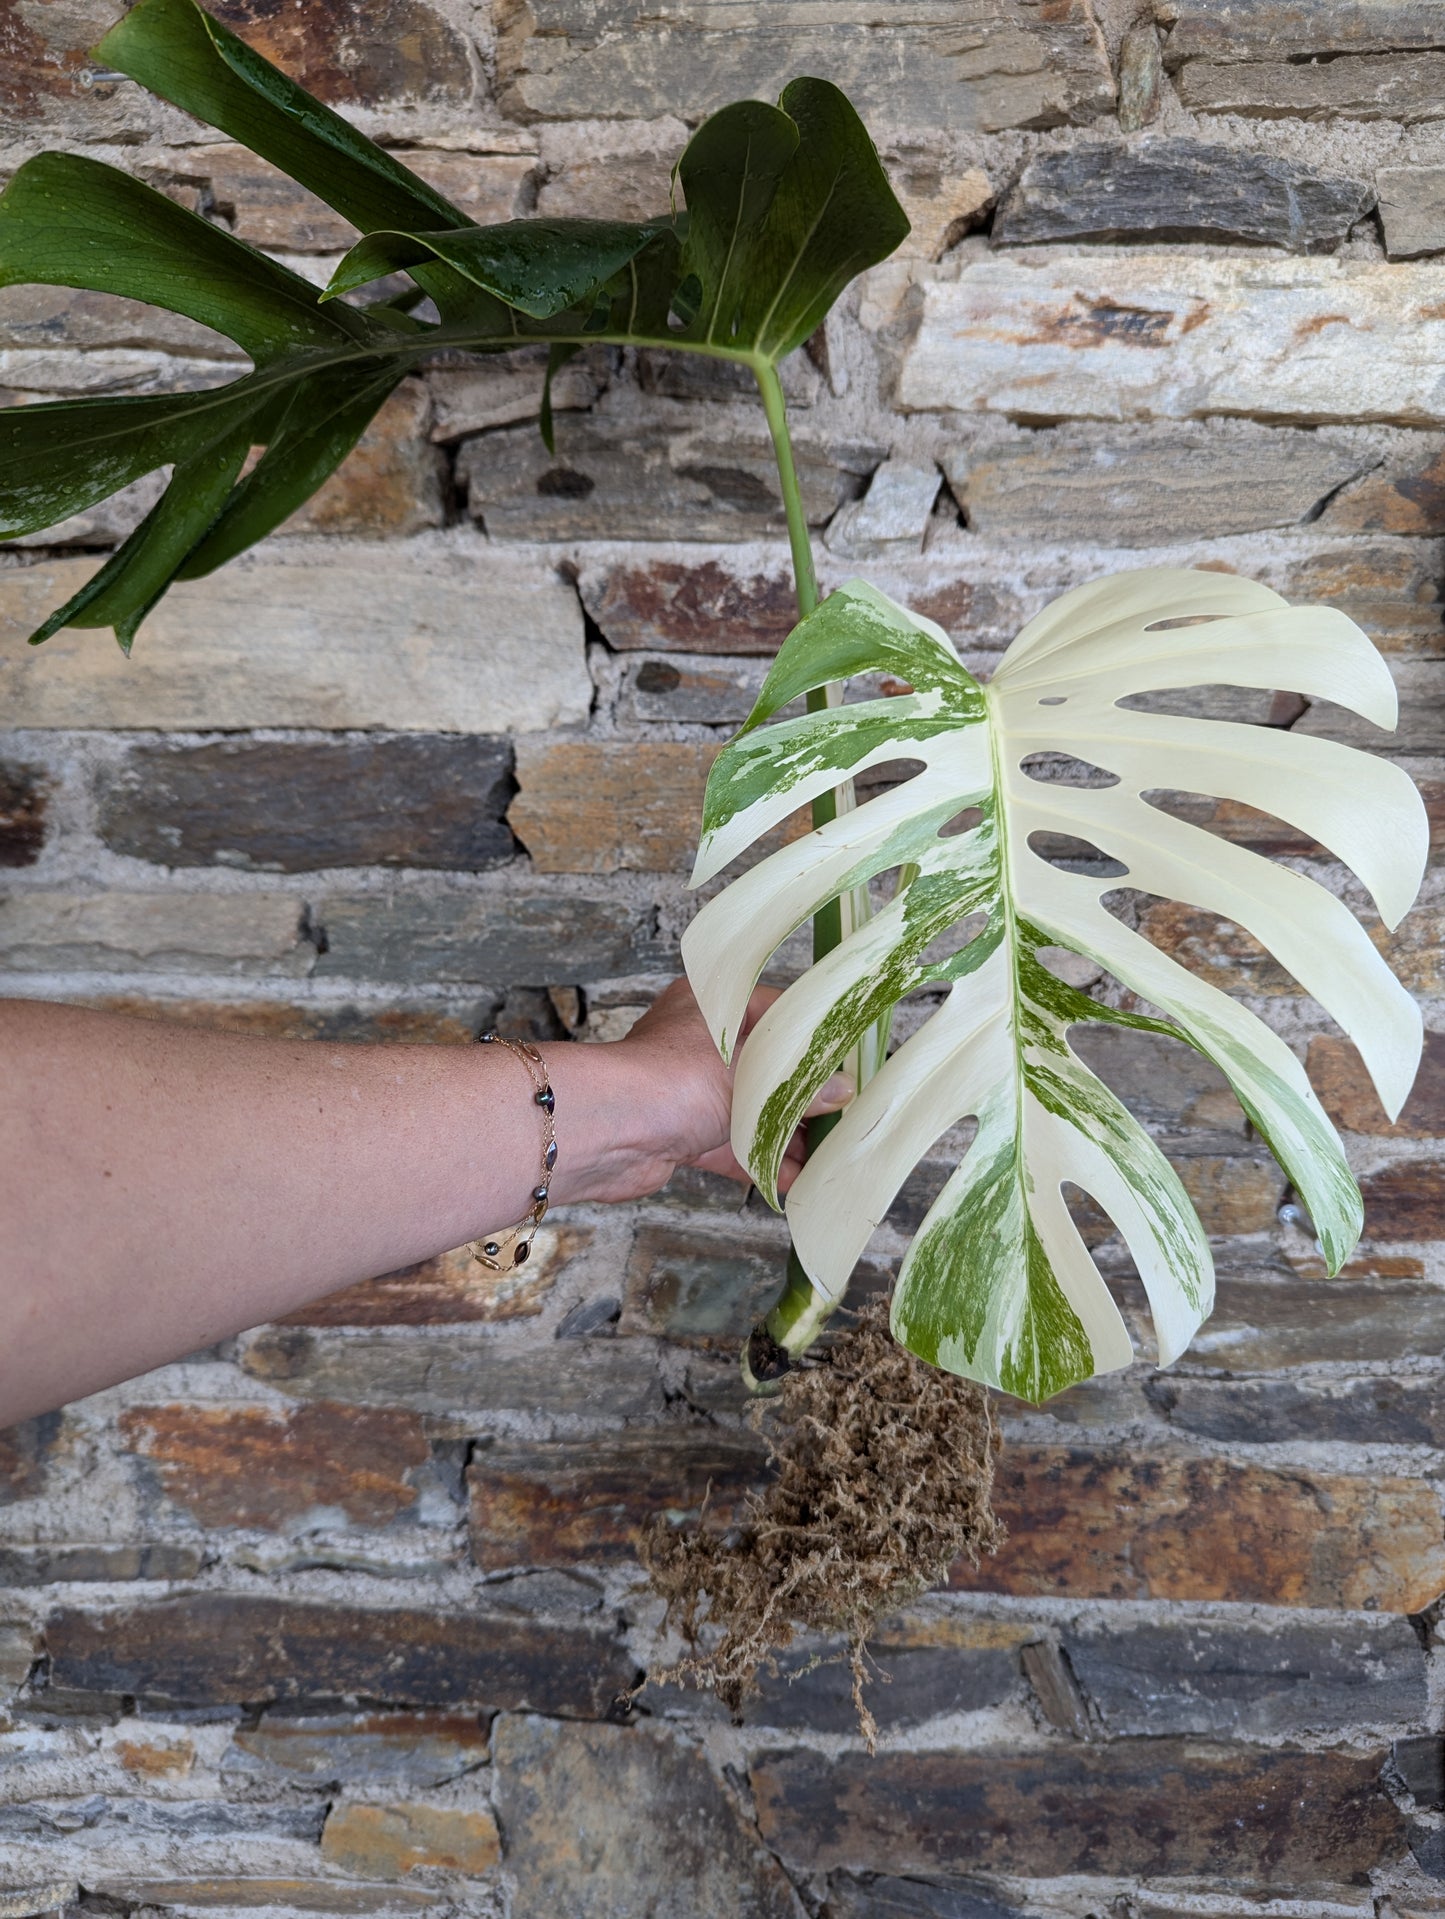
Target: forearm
[(172, 1186)]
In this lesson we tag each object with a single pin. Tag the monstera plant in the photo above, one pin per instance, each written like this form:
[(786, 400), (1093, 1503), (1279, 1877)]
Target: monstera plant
[(776, 209)]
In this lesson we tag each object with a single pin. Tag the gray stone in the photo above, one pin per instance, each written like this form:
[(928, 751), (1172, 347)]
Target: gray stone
[(125, 1817), (648, 1831), (1405, 86), (25, 1902), (893, 515), (1047, 1669), (589, 1317), (417, 636), (1132, 334), (28, 1566), (1420, 1762), (19, 1650), (1261, 1323), (395, 1749), (1421, 687), (1282, 29), (1152, 486), (1141, 72), (239, 936), (51, 318), (1216, 1678), (974, 66), (1375, 1410), (1412, 208), (607, 480), (1179, 189), (506, 388), (518, 937), (873, 1896), (429, 801), (594, 1379), (907, 1685)]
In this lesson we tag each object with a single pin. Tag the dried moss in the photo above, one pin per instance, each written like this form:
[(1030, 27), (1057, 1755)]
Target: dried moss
[(883, 1469)]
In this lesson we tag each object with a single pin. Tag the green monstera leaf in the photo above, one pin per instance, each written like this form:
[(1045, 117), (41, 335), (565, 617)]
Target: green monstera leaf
[(783, 206), (997, 1284)]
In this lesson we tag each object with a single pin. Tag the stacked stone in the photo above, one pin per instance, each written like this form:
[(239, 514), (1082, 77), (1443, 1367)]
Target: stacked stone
[(331, 1618)]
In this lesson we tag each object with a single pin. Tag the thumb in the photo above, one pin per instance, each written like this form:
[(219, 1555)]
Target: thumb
[(832, 1095)]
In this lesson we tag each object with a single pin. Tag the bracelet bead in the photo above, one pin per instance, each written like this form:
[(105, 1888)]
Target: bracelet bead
[(488, 1252)]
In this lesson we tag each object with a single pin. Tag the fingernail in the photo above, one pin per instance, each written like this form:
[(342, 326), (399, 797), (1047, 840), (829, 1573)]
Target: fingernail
[(839, 1090)]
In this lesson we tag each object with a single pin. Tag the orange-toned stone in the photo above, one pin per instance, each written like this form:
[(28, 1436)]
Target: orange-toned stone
[(600, 807), (1349, 1097), (387, 1842), (1405, 1200), (247, 1466), (1103, 1524), (156, 1758), (390, 484)]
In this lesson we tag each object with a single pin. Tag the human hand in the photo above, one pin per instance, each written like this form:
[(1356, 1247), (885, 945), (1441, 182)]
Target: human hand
[(670, 1094)]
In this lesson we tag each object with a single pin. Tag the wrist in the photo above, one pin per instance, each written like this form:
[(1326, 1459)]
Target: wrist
[(614, 1136)]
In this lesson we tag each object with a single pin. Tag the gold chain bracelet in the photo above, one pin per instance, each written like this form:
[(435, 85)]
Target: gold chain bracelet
[(489, 1251)]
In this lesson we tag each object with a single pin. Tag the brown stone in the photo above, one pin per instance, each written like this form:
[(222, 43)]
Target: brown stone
[(1102, 1524), (452, 1289), (646, 1818), (505, 388), (595, 1380), (397, 1749), (601, 807), (1349, 1097), (689, 607), (1166, 1807), (359, 53), (28, 1566), (386, 1842), (586, 1501), (390, 484), (1232, 1193), (1405, 1201), (1374, 1410), (1262, 833), (708, 1288), (247, 1466), (1148, 486), (39, 72), (609, 480), (1391, 589), (1178, 189), (24, 796), (432, 800), (1406, 494), (222, 1648), (46, 319), (26, 1454)]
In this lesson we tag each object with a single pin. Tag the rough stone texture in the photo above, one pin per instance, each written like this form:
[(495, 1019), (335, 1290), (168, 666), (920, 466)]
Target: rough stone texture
[(1131, 335), (386, 1842), (392, 1749), (1147, 487), (644, 1810), (574, 798), (608, 481), (1097, 1524), (245, 1466), (23, 800), (984, 65), (433, 801), (396, 639), (1156, 1806), (1179, 190), (583, 1501), (258, 1612), (217, 1648), (1219, 1678)]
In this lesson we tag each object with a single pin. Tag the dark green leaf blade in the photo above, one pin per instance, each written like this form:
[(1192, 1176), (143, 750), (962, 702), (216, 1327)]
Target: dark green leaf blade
[(785, 206), (139, 571), (540, 267), (189, 58), (69, 221), (62, 457), (327, 415)]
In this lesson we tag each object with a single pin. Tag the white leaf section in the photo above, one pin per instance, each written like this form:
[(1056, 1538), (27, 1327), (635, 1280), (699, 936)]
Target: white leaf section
[(997, 1284)]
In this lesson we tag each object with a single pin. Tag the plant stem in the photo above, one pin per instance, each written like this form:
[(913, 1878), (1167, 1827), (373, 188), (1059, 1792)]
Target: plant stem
[(799, 1314)]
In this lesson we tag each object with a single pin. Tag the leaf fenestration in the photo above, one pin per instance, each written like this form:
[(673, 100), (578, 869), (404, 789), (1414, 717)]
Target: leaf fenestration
[(997, 1284)]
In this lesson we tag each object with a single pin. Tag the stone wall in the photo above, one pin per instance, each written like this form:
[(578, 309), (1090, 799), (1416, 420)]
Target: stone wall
[(330, 1619)]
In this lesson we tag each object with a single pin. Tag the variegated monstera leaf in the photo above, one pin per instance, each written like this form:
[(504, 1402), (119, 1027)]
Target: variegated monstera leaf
[(997, 1284)]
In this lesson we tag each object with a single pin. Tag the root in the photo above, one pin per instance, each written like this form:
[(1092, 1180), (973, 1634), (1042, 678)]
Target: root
[(883, 1471)]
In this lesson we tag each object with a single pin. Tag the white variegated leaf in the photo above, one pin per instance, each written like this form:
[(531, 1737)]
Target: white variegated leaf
[(997, 1284)]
